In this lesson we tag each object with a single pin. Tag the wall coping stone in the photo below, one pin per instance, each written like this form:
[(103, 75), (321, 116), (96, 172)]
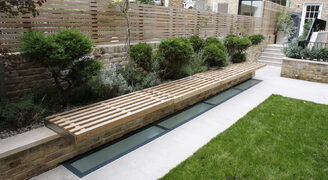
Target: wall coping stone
[(304, 61), (26, 141), (132, 43)]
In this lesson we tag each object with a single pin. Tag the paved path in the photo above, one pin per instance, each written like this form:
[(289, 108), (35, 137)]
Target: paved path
[(156, 158)]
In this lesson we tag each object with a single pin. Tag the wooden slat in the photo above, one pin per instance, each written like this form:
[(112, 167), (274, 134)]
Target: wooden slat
[(93, 119)]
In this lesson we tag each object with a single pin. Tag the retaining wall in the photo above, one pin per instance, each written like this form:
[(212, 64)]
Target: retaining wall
[(305, 70)]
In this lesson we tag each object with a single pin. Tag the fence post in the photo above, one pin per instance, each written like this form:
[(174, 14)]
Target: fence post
[(2, 82), (263, 10), (94, 19)]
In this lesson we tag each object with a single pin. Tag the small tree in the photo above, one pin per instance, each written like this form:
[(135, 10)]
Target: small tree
[(64, 55), (284, 23)]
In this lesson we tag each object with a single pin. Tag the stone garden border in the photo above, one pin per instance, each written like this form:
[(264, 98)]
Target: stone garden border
[(305, 69)]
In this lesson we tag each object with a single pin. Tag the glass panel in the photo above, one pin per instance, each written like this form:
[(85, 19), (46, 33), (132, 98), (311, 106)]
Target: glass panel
[(312, 8), (185, 115), (311, 15), (222, 96), (317, 8), (308, 8), (257, 8), (246, 8), (307, 15), (316, 15), (247, 84), (88, 162)]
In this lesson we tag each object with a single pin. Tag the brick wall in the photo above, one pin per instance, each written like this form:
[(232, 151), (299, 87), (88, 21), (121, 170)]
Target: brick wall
[(305, 70), (37, 159)]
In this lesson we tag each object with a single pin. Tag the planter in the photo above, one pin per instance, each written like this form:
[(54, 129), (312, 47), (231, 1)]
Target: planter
[(305, 69)]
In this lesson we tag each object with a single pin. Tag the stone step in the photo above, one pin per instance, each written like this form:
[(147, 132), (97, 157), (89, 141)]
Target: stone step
[(275, 45), (271, 63), (270, 50), (271, 54), (267, 58)]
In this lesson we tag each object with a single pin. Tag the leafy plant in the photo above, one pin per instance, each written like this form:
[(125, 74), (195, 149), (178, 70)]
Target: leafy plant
[(284, 23), (64, 55), (197, 65), (20, 113), (236, 46), (256, 38), (16, 7), (141, 54), (214, 56), (306, 29), (294, 51), (176, 52), (215, 41), (197, 42)]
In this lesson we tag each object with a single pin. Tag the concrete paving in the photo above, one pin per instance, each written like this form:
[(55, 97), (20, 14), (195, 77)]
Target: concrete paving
[(156, 158)]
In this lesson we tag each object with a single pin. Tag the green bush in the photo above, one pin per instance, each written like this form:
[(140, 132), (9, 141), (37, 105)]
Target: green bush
[(238, 57), (20, 113), (295, 51), (197, 42), (317, 54), (64, 55), (176, 52), (256, 38), (141, 54), (197, 65), (214, 56), (218, 43), (236, 47)]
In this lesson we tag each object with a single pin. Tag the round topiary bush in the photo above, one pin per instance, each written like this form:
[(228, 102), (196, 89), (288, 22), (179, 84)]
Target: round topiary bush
[(141, 54), (218, 43), (236, 46), (238, 57), (197, 42), (214, 56), (256, 38), (175, 52)]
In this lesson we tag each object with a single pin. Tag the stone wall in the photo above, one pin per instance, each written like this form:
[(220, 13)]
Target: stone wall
[(254, 52), (305, 70), (47, 155)]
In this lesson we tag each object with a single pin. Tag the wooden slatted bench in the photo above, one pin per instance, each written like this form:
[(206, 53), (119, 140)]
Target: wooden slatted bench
[(91, 120)]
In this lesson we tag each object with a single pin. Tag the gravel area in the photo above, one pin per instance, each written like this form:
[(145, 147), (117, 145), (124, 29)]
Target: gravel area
[(8, 133)]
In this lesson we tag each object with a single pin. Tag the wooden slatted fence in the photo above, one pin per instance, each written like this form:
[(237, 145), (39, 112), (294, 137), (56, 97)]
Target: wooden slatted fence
[(96, 118), (105, 24)]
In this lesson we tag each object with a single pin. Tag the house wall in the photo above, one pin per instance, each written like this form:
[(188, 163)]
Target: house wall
[(232, 7), (297, 6)]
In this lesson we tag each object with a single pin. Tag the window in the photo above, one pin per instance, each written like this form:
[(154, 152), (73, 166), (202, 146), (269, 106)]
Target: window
[(310, 11), (250, 7)]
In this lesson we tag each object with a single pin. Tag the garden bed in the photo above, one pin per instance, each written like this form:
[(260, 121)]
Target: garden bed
[(305, 69), (37, 156)]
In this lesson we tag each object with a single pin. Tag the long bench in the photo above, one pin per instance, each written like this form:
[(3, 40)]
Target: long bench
[(94, 119)]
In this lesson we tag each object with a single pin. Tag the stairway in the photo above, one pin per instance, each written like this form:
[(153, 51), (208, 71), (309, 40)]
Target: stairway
[(272, 55)]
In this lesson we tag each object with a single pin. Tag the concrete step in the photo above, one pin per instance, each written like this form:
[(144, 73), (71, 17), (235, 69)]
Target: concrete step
[(271, 63), (271, 54), (275, 45), (267, 58), (270, 50)]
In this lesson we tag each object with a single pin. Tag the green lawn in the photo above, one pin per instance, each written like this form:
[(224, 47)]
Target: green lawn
[(282, 138)]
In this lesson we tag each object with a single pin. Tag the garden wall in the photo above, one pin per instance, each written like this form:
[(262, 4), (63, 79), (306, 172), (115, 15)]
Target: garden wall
[(305, 70), (36, 158)]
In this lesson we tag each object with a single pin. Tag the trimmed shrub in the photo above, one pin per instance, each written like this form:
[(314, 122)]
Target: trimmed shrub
[(214, 56), (218, 43), (236, 47), (141, 54), (238, 57), (196, 42), (64, 55), (176, 52), (256, 38)]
